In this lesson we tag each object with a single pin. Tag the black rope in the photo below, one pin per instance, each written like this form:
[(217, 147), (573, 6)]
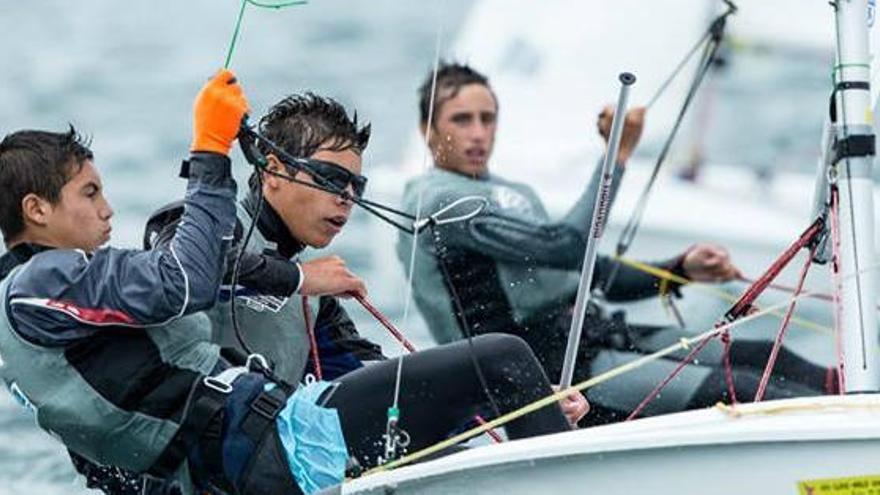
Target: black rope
[(713, 42), (459, 308), (237, 267), (321, 183)]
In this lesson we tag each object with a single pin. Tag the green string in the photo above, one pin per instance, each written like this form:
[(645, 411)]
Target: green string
[(839, 67), (279, 5), (259, 4)]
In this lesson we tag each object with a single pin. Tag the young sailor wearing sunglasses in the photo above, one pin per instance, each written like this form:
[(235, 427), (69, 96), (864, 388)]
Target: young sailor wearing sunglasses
[(441, 390)]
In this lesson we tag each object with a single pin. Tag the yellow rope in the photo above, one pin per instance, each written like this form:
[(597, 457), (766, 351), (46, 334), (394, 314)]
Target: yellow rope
[(666, 276), (596, 380), (768, 409)]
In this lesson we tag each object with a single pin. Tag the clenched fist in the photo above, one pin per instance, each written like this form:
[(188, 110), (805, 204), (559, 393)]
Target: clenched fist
[(330, 276)]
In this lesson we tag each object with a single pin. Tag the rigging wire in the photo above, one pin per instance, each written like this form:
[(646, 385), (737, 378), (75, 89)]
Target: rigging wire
[(429, 129), (837, 286), (712, 42), (839, 67), (780, 336), (681, 65), (237, 267), (393, 411)]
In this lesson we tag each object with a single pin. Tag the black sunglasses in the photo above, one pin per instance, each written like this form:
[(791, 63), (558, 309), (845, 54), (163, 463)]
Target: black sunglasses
[(331, 176)]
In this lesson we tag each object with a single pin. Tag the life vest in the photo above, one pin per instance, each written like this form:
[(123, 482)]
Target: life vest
[(67, 404), (272, 326)]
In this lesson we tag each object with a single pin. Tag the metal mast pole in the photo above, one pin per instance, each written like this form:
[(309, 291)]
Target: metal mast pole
[(597, 226), (854, 147)]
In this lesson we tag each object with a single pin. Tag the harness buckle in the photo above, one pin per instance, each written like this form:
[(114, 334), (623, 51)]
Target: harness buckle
[(215, 384), (267, 405), (223, 382), (257, 362)]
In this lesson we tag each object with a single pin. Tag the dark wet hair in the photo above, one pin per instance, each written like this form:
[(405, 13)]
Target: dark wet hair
[(38, 162), (451, 76), (303, 124)]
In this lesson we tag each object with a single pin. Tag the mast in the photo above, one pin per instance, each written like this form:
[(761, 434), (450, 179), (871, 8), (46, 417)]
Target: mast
[(854, 148)]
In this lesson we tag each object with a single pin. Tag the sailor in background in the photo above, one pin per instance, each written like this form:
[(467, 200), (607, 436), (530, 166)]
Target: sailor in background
[(512, 269)]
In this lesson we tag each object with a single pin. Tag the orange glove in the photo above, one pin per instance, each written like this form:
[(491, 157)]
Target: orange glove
[(217, 114)]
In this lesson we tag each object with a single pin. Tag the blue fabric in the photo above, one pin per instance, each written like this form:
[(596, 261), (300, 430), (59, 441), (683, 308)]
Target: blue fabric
[(335, 359), (312, 439), (238, 447)]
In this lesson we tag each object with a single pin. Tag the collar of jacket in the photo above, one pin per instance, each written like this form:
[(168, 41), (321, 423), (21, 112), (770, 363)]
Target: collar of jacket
[(272, 226), (18, 255)]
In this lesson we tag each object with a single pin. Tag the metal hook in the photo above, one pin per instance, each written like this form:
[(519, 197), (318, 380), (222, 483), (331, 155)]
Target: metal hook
[(435, 218)]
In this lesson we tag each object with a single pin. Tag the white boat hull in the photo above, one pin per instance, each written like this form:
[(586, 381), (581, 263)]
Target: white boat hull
[(777, 447)]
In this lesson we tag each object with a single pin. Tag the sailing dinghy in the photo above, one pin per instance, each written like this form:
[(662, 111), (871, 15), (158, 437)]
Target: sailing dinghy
[(818, 445)]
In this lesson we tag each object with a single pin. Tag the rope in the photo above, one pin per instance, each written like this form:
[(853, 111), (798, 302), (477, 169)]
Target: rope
[(780, 335), (742, 311), (662, 274), (236, 270), (408, 346), (237, 29), (313, 341), (627, 235), (681, 365), (392, 411), (428, 132), (557, 396), (713, 31), (748, 298), (675, 72), (741, 307), (768, 408), (727, 341), (837, 287), (397, 334)]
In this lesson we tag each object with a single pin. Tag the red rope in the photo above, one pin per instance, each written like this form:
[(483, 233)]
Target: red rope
[(384, 321), (684, 362), (744, 304), (408, 345), (728, 367), (780, 335), (307, 315), (492, 433), (785, 288), (837, 286), (740, 308)]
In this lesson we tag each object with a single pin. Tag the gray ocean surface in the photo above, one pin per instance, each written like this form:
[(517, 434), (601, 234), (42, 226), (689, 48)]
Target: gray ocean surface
[(125, 73)]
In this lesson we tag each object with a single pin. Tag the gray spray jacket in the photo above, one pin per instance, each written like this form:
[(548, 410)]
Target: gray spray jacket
[(274, 326), (99, 346), (268, 309), (511, 263)]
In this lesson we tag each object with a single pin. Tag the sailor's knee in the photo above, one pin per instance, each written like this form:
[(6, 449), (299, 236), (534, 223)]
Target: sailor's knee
[(501, 344)]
